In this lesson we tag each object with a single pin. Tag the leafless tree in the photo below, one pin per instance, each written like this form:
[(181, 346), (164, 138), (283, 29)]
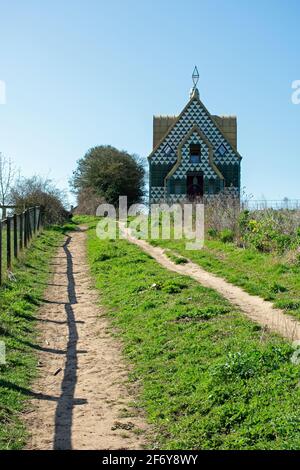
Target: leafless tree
[(7, 176), (39, 191), (87, 202)]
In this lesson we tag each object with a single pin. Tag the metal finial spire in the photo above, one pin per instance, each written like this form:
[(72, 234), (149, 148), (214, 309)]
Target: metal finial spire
[(194, 92), (195, 76)]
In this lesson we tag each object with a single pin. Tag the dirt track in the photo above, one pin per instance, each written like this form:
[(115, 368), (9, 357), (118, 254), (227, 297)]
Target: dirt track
[(80, 396), (80, 400), (254, 307)]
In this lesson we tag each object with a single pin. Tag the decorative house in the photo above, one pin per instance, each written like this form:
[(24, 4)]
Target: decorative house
[(194, 154)]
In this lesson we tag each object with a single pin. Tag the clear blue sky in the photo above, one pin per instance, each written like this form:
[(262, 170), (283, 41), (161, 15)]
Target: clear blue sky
[(81, 73)]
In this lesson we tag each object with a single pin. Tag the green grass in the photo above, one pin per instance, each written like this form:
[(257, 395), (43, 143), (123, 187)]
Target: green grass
[(19, 301), (268, 275), (176, 259), (208, 378), (84, 219)]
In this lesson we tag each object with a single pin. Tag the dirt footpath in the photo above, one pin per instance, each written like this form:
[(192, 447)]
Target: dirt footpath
[(80, 399), (254, 307)]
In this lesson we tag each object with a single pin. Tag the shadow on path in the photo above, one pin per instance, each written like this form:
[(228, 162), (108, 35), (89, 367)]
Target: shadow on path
[(39, 396), (66, 402)]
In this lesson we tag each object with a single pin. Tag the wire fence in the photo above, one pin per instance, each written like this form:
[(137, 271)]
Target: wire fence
[(284, 204), (16, 232)]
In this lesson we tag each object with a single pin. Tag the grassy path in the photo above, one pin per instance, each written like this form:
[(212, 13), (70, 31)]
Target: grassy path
[(273, 277), (205, 376), (80, 400), (19, 302), (209, 378), (254, 307)]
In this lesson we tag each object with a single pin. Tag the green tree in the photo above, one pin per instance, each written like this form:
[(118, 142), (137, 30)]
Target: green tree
[(110, 173)]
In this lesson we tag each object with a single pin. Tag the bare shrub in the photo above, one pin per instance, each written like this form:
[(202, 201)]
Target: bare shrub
[(267, 230), (222, 213), (88, 201), (7, 178), (36, 191)]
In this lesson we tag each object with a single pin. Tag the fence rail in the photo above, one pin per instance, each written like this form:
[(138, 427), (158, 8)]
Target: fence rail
[(16, 232)]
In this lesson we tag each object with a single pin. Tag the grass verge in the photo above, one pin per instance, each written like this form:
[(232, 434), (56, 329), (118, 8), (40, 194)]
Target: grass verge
[(19, 301), (269, 276), (208, 377)]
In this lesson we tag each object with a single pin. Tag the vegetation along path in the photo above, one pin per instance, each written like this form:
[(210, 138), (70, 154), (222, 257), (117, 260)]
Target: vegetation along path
[(259, 310), (80, 397)]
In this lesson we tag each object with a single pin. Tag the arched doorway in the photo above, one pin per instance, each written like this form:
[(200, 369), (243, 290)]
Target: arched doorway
[(194, 185)]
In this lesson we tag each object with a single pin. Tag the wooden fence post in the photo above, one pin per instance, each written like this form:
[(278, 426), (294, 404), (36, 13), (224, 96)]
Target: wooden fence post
[(25, 229), (8, 242), (41, 218), (20, 229), (0, 252), (30, 224), (21, 233), (15, 236), (34, 219)]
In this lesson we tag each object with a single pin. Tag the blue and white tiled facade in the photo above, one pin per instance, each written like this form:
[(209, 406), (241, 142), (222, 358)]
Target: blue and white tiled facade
[(185, 164), (170, 161)]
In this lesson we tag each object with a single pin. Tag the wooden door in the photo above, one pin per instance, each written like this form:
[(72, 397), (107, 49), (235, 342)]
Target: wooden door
[(195, 185)]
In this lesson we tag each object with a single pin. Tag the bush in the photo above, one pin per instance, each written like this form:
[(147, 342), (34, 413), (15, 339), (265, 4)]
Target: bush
[(226, 236), (36, 191), (265, 230), (87, 202), (270, 230), (213, 233), (110, 173), (222, 212)]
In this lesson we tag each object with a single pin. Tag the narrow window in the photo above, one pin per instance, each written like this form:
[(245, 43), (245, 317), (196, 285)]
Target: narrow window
[(177, 187), (195, 153), (211, 187)]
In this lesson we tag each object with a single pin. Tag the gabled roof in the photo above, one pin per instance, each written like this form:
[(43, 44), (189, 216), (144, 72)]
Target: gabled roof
[(183, 112), (195, 128)]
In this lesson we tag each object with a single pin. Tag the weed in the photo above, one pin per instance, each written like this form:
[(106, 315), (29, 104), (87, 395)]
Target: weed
[(226, 236), (204, 313)]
